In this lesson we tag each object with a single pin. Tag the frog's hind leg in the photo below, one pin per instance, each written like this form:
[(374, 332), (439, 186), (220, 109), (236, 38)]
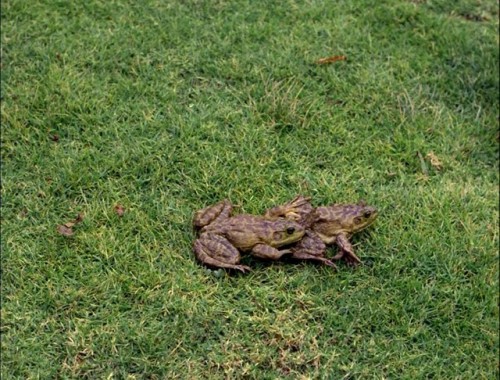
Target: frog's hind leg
[(216, 251), (320, 259), (212, 213), (312, 248), (297, 209), (346, 251)]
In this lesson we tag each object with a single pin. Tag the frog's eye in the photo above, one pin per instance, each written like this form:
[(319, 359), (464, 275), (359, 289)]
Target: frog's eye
[(367, 213), (290, 230)]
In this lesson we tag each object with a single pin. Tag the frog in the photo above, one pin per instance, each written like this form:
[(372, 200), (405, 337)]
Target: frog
[(222, 236), (326, 225), (310, 247)]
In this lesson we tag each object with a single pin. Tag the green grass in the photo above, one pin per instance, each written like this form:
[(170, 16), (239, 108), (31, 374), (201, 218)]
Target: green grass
[(166, 107)]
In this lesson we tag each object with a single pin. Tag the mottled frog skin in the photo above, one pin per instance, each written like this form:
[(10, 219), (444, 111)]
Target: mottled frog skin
[(326, 225), (223, 236)]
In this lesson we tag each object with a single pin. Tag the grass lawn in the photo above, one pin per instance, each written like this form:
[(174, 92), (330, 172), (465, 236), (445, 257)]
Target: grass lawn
[(164, 107)]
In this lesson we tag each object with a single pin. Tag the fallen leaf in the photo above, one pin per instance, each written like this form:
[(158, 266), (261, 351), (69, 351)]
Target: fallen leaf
[(65, 230), (474, 17), (54, 137), (79, 218), (436, 164), (120, 210), (335, 58)]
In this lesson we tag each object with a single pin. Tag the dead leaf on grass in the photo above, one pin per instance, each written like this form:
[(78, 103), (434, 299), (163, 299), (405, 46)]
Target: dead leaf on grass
[(120, 210), (436, 164), (334, 58), (66, 229), (54, 137), (475, 17), (79, 218)]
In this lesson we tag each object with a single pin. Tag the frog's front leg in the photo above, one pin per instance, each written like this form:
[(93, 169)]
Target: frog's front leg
[(217, 251), (346, 251), (296, 209), (267, 252), (311, 247), (210, 214)]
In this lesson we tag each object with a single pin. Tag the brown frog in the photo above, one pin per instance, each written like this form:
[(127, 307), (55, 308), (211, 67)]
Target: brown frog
[(326, 225), (311, 247), (222, 236)]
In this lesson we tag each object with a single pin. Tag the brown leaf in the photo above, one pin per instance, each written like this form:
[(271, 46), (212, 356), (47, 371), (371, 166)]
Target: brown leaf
[(474, 17), (436, 164), (120, 210), (65, 230), (79, 218), (69, 224), (334, 58), (54, 137)]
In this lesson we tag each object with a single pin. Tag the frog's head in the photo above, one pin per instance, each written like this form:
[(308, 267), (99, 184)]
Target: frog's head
[(286, 232), (357, 217)]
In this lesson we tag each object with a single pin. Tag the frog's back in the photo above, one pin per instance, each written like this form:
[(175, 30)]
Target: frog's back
[(246, 231), (336, 212), (243, 231)]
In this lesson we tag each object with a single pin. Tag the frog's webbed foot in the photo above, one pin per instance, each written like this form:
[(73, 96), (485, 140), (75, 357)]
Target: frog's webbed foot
[(217, 251), (311, 247), (305, 256), (211, 214), (267, 252), (346, 251), (297, 209)]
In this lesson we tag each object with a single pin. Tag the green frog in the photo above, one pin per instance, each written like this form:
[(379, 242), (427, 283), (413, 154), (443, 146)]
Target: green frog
[(223, 236), (326, 225)]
